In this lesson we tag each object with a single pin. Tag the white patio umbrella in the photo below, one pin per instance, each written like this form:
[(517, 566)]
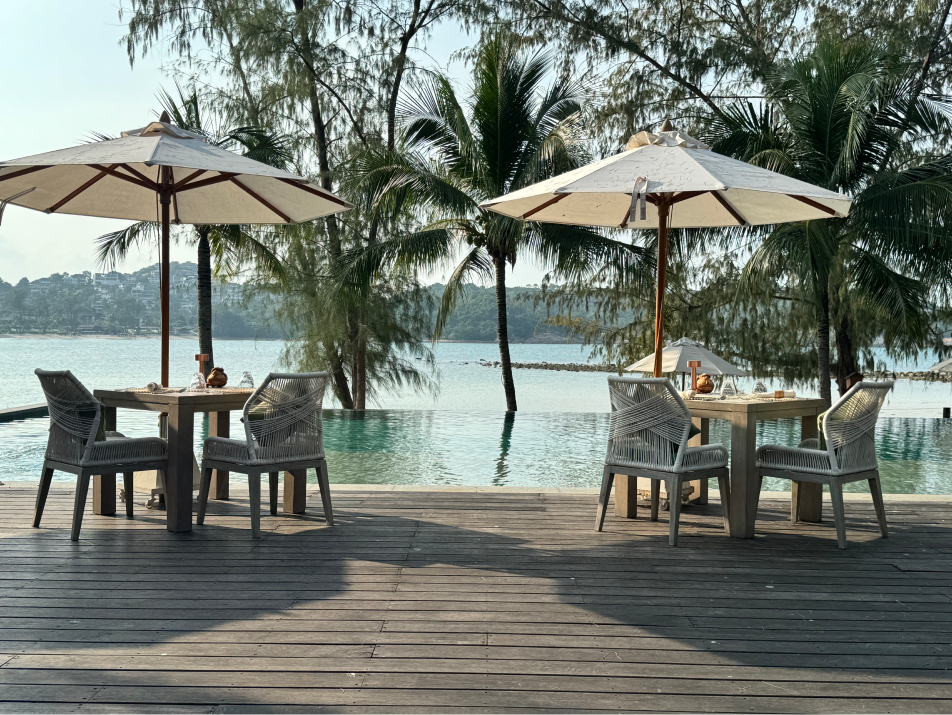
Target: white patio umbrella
[(944, 366), (676, 356), (669, 180), (165, 174)]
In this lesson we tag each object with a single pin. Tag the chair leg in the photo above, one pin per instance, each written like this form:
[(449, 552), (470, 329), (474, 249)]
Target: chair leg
[(656, 498), (273, 486), (203, 490), (325, 485), (876, 490), (128, 482), (82, 487), (795, 503), (839, 513), (724, 486), (607, 478), (674, 509), (46, 478), (254, 491)]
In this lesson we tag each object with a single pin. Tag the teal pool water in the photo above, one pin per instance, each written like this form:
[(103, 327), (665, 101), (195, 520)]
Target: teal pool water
[(541, 449)]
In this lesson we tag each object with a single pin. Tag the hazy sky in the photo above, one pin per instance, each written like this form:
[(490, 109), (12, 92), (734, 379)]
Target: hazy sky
[(65, 74)]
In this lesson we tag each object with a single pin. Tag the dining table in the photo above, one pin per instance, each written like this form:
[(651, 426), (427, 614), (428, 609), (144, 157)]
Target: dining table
[(743, 412), (181, 406)]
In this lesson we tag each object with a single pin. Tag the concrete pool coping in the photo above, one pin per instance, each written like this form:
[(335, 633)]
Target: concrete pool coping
[(849, 496)]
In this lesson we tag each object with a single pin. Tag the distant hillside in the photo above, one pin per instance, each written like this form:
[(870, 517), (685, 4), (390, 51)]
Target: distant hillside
[(475, 317), (117, 303)]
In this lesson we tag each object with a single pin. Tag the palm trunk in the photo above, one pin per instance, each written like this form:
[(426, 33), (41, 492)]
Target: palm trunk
[(205, 298), (823, 345), (846, 355), (360, 373), (502, 334)]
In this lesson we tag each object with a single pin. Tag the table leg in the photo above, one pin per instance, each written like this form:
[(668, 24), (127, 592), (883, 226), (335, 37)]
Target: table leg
[(811, 495), (700, 494), (744, 481), (104, 485), (178, 477), (626, 496), (219, 425), (295, 486)]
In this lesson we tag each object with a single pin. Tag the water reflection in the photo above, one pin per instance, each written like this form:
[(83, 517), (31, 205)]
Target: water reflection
[(502, 468)]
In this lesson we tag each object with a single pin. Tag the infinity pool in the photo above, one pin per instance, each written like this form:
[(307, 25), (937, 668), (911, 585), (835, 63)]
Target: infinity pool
[(528, 449)]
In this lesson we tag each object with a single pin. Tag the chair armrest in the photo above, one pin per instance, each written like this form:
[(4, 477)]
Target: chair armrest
[(810, 443), (798, 459)]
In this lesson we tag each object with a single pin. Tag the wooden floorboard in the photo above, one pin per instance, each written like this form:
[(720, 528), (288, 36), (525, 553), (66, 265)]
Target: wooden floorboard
[(428, 601)]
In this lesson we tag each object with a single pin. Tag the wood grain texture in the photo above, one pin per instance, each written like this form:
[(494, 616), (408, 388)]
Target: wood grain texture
[(425, 601)]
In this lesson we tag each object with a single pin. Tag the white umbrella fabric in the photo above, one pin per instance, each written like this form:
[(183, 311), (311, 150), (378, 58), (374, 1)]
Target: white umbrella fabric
[(669, 180), (675, 358), (165, 174), (944, 366)]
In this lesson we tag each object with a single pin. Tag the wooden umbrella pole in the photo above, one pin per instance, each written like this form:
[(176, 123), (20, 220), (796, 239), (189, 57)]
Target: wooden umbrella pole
[(165, 199), (662, 280)]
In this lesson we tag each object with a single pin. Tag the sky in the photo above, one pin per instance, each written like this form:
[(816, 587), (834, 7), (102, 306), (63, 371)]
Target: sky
[(66, 75)]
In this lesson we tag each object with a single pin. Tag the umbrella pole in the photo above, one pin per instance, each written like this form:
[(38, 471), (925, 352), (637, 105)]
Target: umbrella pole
[(165, 199), (662, 280)]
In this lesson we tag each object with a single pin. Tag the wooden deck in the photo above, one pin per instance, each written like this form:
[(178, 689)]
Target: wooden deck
[(429, 601)]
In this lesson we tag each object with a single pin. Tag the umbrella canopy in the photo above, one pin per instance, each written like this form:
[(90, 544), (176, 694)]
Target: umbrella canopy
[(669, 180), (675, 357), (944, 366), (165, 174)]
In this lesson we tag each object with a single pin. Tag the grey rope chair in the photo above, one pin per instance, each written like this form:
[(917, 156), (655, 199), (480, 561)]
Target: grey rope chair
[(849, 429), (75, 419), (648, 437), (283, 432)]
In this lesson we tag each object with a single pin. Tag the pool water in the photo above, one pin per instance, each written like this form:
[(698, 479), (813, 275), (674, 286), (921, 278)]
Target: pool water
[(526, 449)]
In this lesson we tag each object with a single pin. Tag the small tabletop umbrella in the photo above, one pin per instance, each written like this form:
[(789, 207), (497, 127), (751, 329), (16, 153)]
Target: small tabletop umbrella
[(669, 180), (165, 174), (944, 366), (675, 358)]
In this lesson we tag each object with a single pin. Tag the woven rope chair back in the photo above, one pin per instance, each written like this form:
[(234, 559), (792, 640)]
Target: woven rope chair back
[(849, 427), (283, 418), (74, 416), (649, 422)]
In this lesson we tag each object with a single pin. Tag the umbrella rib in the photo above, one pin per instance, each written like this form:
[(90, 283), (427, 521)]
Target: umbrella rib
[(685, 195), (75, 192), (730, 209), (312, 190), (183, 182), (814, 204), (225, 176), (138, 175), (544, 204), (131, 179), (260, 200), (22, 172)]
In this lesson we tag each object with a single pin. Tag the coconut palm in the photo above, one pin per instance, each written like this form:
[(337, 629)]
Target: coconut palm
[(844, 118), (454, 153), (231, 246)]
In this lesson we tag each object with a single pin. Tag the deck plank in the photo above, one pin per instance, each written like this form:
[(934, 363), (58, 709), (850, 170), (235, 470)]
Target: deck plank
[(428, 601)]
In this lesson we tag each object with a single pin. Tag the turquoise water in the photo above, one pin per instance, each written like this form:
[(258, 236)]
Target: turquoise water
[(455, 448), (461, 437)]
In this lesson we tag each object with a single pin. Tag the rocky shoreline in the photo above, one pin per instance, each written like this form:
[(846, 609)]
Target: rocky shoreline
[(915, 375)]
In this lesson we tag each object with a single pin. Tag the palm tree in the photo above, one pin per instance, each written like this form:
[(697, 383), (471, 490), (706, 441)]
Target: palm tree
[(231, 245), (844, 118), (454, 154)]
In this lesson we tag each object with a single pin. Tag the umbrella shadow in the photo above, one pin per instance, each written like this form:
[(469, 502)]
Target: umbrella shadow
[(451, 579)]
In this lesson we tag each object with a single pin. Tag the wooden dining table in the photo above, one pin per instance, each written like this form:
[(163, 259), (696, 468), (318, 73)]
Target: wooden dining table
[(743, 414), (180, 406)]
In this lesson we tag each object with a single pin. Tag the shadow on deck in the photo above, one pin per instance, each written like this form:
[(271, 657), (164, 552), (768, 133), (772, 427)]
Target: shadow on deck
[(428, 601)]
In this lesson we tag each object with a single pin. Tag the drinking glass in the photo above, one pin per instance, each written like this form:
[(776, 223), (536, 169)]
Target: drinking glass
[(246, 382), (198, 383)]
